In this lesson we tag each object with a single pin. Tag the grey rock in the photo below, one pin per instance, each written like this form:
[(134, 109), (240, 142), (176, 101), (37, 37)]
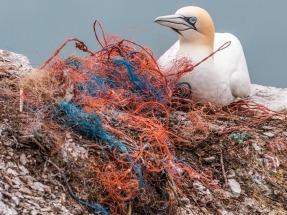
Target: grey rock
[(25, 190), (269, 134), (21, 64), (234, 186), (23, 159), (271, 97), (38, 186), (24, 170), (5, 209)]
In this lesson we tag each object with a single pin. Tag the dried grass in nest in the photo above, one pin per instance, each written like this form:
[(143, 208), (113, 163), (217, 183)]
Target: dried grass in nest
[(39, 86), (140, 121)]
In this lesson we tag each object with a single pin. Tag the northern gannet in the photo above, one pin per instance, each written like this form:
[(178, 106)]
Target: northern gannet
[(220, 79)]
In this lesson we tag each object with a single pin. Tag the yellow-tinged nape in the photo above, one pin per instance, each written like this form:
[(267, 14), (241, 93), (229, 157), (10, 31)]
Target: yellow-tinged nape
[(204, 33)]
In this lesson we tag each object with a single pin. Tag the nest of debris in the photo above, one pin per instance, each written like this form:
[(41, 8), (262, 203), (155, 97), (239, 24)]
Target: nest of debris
[(124, 140)]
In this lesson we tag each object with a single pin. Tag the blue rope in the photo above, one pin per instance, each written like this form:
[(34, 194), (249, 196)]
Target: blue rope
[(139, 84), (73, 63), (97, 84), (90, 126), (94, 207)]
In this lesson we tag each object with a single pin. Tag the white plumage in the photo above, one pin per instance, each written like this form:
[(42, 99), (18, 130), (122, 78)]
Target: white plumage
[(220, 79)]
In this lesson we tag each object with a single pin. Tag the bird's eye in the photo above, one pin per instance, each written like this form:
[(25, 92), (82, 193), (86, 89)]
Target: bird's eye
[(192, 20)]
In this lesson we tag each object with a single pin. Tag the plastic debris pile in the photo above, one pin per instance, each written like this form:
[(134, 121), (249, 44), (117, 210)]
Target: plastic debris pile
[(126, 140), (120, 84)]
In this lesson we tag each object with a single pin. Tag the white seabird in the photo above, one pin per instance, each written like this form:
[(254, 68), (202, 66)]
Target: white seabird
[(221, 78)]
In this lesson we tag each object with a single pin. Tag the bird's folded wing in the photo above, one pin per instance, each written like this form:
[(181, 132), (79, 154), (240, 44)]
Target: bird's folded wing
[(232, 63), (168, 58)]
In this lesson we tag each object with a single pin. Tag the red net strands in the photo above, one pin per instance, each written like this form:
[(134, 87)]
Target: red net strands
[(119, 98)]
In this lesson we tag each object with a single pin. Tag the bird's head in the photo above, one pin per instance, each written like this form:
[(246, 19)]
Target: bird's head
[(193, 24)]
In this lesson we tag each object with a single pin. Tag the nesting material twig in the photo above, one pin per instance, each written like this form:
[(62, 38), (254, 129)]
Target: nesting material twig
[(38, 143), (6, 177), (173, 188), (223, 168), (21, 100), (130, 208)]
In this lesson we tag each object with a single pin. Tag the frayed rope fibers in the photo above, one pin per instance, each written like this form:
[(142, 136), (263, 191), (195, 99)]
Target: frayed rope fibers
[(90, 126), (139, 84)]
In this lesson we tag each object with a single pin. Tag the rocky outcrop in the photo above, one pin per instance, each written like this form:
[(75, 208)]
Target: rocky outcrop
[(24, 189), (271, 97), (254, 178), (12, 63)]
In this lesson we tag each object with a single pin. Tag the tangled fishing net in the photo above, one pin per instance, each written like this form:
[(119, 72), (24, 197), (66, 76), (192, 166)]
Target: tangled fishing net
[(120, 84), (120, 103)]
